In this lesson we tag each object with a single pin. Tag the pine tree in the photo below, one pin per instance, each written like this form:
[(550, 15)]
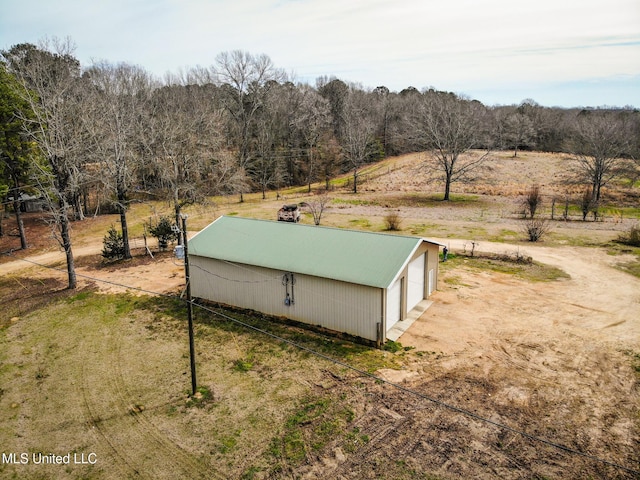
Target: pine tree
[(113, 245)]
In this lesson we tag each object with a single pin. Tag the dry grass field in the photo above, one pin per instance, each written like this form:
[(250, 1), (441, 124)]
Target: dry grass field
[(515, 371)]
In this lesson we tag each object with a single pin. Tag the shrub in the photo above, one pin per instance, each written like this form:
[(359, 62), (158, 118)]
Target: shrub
[(631, 237), (392, 221), (164, 231), (535, 228), (317, 206), (113, 245), (532, 201)]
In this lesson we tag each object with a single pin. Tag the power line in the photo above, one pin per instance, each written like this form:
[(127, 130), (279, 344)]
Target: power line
[(423, 396), (364, 373), (87, 277), (266, 280), (278, 279)]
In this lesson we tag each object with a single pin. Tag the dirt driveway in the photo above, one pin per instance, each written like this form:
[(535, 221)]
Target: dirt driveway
[(598, 302)]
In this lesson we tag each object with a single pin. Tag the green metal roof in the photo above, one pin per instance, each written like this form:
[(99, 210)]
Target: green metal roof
[(364, 258)]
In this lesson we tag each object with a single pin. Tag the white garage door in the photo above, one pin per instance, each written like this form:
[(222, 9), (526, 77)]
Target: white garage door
[(415, 291), (394, 303)]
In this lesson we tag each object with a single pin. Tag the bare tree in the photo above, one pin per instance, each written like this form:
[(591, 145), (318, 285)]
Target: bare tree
[(246, 79), (358, 133), (48, 76), (329, 157), (599, 142), (121, 94), (535, 228), (588, 203), (450, 126), (225, 176), (317, 206), (518, 131), (267, 168), (183, 139), (312, 121)]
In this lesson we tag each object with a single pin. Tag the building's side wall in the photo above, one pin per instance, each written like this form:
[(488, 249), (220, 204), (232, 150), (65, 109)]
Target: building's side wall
[(339, 306), (433, 252)]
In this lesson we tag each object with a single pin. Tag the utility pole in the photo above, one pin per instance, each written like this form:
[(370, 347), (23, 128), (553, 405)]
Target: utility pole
[(192, 348)]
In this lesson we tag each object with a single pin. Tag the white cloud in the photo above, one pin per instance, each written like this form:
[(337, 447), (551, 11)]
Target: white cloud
[(459, 45)]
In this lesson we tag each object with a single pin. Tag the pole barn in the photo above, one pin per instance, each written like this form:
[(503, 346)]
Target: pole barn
[(360, 283)]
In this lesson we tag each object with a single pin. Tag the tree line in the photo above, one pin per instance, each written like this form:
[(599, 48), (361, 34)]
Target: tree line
[(95, 138)]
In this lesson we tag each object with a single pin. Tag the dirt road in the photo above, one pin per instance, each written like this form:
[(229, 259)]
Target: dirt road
[(598, 301)]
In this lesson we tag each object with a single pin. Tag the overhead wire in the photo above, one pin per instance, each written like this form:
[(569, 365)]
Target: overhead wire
[(421, 395), (268, 278), (364, 373), (87, 277)]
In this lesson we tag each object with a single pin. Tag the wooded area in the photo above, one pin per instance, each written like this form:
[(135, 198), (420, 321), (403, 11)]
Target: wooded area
[(91, 139)]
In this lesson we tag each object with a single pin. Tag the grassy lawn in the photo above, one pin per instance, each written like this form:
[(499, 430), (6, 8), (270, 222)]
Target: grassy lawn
[(532, 272), (119, 363)]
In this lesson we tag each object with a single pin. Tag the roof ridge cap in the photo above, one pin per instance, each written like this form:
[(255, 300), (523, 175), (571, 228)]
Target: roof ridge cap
[(325, 227)]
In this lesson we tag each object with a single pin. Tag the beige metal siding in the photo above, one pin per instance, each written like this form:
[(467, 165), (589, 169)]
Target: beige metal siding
[(431, 261), (433, 258), (339, 306), (416, 281), (432, 251), (394, 304)]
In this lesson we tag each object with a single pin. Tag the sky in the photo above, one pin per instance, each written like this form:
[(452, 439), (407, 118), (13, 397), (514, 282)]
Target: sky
[(567, 53)]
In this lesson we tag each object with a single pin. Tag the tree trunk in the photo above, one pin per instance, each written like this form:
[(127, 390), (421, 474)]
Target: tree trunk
[(447, 188), (61, 180), (85, 200), (66, 244), (16, 209), (125, 228), (122, 210), (310, 176), (23, 238), (181, 234), (596, 192), (355, 180), (77, 207)]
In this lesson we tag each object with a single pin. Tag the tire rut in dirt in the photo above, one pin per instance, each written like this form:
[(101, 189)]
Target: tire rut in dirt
[(122, 461), (380, 425), (138, 447), (165, 447)]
